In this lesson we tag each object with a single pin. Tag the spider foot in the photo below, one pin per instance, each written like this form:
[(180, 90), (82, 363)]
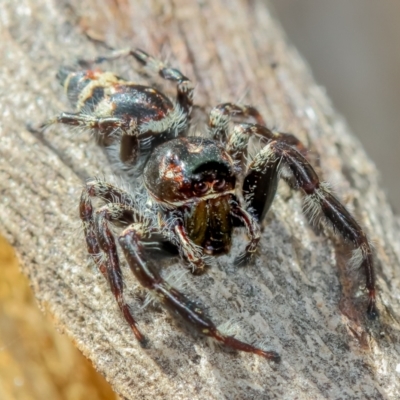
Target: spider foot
[(36, 129), (144, 343), (230, 341), (270, 355), (372, 311), (243, 259), (198, 267), (198, 271)]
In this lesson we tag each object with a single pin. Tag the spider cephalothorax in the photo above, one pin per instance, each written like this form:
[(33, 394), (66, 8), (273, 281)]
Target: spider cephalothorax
[(195, 177), (189, 191)]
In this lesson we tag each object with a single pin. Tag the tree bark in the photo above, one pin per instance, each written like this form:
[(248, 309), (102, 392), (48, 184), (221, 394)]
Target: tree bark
[(300, 298)]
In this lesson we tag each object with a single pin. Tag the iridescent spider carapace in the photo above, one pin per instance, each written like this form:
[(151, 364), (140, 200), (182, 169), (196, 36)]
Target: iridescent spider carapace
[(190, 191)]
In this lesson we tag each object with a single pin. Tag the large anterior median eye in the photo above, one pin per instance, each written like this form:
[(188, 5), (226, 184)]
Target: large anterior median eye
[(219, 184), (200, 188)]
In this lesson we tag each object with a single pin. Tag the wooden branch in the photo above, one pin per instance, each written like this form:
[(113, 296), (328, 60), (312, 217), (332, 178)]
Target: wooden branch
[(300, 298)]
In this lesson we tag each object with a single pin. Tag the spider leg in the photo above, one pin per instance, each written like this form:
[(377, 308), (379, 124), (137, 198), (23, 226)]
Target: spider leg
[(107, 131), (238, 139), (191, 312), (110, 193), (193, 253), (101, 243), (85, 121), (253, 230), (184, 85), (278, 158), (220, 115)]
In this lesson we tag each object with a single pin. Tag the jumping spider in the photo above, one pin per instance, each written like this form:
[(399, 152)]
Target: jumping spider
[(190, 191)]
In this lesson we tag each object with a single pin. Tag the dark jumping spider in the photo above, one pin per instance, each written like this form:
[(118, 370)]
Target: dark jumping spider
[(190, 191)]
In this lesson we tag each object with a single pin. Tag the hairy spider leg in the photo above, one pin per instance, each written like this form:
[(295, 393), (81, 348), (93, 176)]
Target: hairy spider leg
[(108, 193), (107, 129), (185, 87), (191, 312), (220, 115), (189, 250), (101, 244), (238, 139), (253, 231), (279, 159), (85, 120)]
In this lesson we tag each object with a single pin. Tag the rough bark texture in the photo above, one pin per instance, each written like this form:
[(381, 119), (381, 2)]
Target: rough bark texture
[(300, 298)]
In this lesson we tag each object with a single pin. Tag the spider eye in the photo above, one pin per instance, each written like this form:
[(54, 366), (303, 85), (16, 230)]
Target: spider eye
[(219, 184), (200, 187)]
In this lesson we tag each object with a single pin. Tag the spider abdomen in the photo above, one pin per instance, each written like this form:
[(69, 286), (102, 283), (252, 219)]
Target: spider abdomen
[(135, 101)]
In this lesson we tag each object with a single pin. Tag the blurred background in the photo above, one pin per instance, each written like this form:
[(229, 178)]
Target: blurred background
[(36, 361), (353, 49)]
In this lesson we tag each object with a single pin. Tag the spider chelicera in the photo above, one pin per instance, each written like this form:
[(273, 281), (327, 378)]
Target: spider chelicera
[(189, 191)]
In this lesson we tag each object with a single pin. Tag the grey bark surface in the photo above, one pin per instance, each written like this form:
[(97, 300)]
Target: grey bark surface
[(300, 298)]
